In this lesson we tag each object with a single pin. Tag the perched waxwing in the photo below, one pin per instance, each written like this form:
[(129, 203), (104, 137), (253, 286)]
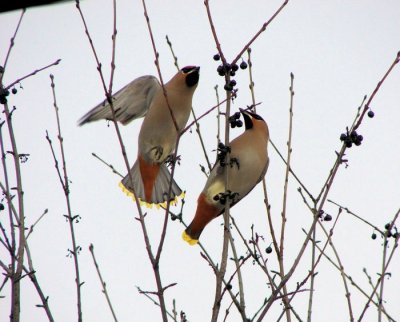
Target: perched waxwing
[(144, 96), (248, 165)]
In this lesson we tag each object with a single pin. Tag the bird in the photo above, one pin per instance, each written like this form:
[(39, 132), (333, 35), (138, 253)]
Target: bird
[(248, 154), (165, 116)]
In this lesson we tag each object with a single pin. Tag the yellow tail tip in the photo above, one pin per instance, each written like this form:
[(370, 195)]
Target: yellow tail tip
[(150, 204), (189, 239)]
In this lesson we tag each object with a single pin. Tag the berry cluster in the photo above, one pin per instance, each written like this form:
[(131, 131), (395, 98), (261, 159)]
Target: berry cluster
[(223, 196), (3, 95), (351, 138), (221, 155), (229, 69), (388, 232), (327, 217), (234, 120)]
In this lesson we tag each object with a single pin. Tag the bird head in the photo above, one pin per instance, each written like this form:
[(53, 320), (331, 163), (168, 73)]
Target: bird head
[(253, 121), (191, 74)]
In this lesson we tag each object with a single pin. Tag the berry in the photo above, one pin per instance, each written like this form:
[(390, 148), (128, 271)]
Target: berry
[(14, 91), (353, 135), (216, 57), (1, 207), (232, 82), (373, 236), (243, 65), (233, 125), (216, 197), (3, 100), (235, 67), (343, 137), (232, 73), (227, 67), (220, 70), (228, 286), (371, 114), (348, 144), (387, 226), (236, 115), (228, 87), (174, 217), (328, 217), (268, 250), (239, 123), (320, 213)]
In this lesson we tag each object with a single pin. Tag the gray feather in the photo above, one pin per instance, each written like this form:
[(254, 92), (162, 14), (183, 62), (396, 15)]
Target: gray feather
[(130, 102)]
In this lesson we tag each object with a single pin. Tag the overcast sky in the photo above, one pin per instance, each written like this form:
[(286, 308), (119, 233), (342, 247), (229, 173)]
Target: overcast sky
[(337, 50)]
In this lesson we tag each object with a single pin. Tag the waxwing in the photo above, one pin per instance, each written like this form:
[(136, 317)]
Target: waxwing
[(248, 165), (144, 96)]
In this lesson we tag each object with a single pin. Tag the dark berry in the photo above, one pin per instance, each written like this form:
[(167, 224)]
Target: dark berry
[(353, 135), (227, 67), (328, 217), (371, 114), (235, 67), (320, 213), (216, 57), (174, 217), (236, 115), (387, 226), (349, 144), (228, 87), (232, 73), (14, 91), (228, 286), (268, 250), (216, 197), (239, 123), (220, 70), (233, 125), (232, 82), (373, 236), (243, 65), (343, 137), (1, 207)]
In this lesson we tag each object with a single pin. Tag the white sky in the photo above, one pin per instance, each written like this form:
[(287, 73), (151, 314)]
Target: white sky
[(337, 50)]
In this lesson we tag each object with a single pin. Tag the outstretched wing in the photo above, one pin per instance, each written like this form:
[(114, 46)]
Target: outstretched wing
[(130, 102)]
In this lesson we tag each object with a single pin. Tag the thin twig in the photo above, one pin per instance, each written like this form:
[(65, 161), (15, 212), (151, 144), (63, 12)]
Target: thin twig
[(71, 218), (11, 45), (103, 284), (285, 188), (385, 266), (33, 73), (16, 275)]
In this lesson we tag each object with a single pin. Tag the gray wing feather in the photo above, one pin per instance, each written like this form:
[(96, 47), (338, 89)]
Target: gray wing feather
[(130, 102)]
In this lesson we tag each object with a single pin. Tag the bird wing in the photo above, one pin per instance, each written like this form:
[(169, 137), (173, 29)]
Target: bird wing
[(130, 102)]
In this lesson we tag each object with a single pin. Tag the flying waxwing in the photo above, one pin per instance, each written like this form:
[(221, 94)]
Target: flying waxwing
[(248, 165), (144, 96)]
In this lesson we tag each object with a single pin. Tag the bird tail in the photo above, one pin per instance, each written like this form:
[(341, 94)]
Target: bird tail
[(158, 194), (204, 214)]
